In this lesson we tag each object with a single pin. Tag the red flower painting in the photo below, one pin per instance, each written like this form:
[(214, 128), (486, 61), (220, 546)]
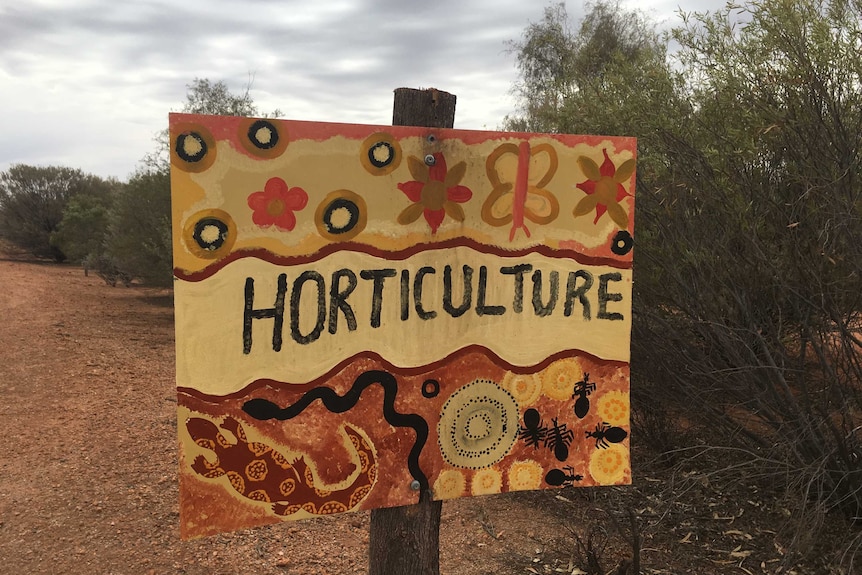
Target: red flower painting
[(435, 192), (604, 188), (276, 204)]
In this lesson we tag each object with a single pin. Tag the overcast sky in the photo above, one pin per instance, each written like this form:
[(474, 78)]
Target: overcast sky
[(88, 83)]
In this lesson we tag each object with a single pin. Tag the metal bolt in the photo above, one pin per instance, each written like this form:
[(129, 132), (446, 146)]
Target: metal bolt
[(431, 138), (430, 160), (414, 485)]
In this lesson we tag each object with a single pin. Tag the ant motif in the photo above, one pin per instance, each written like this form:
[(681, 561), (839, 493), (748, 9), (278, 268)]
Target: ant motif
[(605, 435), (558, 439), (582, 390), (533, 431), (562, 477)]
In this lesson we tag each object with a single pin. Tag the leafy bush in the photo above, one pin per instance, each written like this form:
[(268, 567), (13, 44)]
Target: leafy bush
[(81, 231), (748, 265), (32, 202), (138, 240)]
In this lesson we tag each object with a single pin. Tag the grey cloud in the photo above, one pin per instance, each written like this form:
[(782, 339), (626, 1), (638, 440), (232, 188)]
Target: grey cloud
[(124, 65)]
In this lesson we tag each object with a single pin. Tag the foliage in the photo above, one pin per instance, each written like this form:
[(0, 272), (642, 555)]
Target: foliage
[(749, 245), (772, 167), (206, 97), (576, 82), (81, 231), (32, 202), (138, 240)]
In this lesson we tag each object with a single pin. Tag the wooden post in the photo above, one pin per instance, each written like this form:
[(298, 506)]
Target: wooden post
[(406, 540), (429, 108)]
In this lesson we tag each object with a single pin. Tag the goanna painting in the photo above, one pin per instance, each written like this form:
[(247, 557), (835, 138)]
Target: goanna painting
[(367, 312)]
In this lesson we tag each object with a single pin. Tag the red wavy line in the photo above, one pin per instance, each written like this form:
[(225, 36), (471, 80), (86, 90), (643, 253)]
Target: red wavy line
[(398, 255), (408, 371)]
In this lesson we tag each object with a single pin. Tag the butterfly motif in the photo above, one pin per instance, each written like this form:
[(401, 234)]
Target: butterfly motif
[(518, 174)]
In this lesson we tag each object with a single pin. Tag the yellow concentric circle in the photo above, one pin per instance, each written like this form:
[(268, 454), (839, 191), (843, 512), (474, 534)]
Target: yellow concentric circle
[(559, 379), (613, 408), (486, 481), (450, 484), (525, 388), (525, 475), (341, 216), (609, 466)]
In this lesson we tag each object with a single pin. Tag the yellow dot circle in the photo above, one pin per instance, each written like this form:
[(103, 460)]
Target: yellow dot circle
[(486, 481), (450, 484), (525, 388), (559, 379), (524, 475), (613, 408), (609, 466)]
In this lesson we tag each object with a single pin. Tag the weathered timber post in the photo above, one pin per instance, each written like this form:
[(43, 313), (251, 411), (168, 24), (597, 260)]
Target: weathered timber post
[(406, 540)]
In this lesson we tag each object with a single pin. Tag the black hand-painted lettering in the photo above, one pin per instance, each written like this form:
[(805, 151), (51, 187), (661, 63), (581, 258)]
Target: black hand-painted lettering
[(276, 312), (481, 308), (378, 276), (338, 300), (295, 297), (405, 295), (518, 271), (573, 291), (466, 301), (417, 293), (605, 297), (542, 309)]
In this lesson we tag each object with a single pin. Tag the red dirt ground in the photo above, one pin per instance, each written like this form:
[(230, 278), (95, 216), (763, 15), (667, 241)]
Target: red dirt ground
[(88, 472)]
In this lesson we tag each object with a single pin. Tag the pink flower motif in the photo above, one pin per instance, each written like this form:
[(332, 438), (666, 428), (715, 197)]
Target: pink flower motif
[(435, 192), (276, 204)]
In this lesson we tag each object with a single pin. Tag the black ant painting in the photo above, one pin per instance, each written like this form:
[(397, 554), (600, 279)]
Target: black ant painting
[(605, 435), (533, 432), (558, 438), (582, 391), (562, 477)]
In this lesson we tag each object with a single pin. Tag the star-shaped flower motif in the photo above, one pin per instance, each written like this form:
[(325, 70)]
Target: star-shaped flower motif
[(604, 188), (435, 192)]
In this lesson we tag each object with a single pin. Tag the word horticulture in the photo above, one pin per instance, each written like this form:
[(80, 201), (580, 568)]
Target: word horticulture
[(313, 302)]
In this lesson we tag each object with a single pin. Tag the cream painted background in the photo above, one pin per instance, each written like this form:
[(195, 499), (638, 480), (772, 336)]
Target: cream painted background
[(209, 320)]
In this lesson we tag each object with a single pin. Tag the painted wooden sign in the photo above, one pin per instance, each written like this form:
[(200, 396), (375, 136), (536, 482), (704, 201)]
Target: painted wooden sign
[(364, 312)]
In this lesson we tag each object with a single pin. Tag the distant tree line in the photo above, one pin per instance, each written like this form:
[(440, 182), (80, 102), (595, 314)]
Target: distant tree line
[(120, 230), (748, 244)]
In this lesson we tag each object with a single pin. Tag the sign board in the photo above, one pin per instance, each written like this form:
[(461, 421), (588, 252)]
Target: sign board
[(365, 312)]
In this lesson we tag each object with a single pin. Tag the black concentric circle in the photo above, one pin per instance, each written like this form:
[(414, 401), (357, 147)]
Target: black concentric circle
[(191, 147), (210, 233), (257, 132), (622, 243)]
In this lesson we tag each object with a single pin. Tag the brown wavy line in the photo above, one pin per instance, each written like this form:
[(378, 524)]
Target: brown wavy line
[(397, 255), (407, 371)]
